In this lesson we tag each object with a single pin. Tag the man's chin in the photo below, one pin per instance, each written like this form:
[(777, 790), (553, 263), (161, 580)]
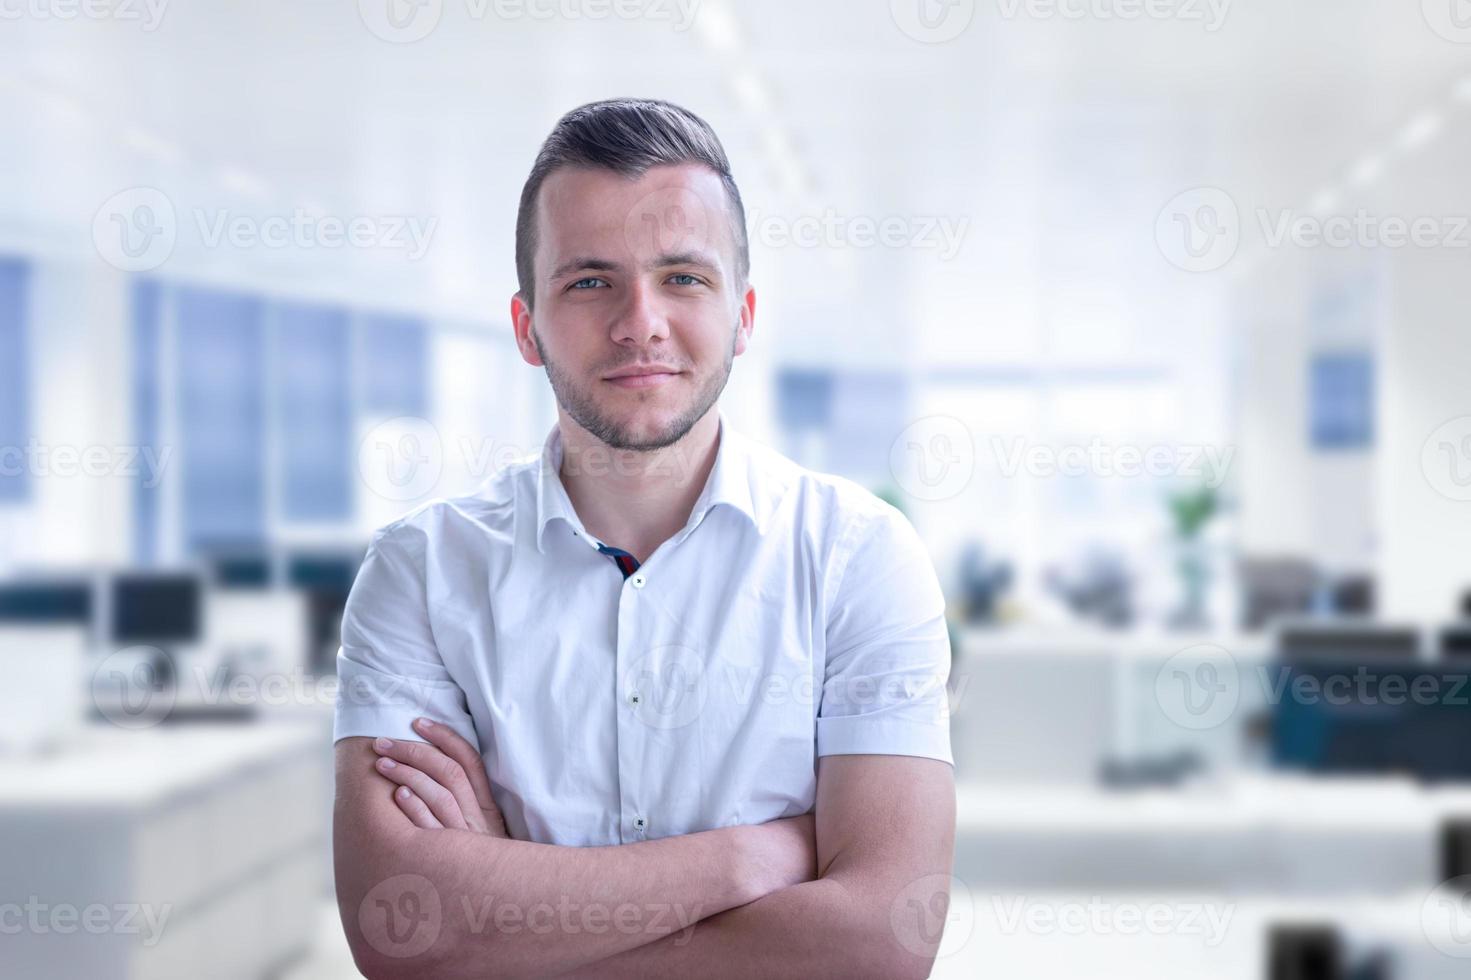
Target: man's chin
[(644, 430)]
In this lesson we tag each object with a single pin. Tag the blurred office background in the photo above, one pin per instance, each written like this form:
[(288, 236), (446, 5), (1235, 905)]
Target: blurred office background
[(1151, 317)]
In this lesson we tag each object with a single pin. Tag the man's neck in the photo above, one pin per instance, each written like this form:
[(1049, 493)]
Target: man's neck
[(636, 500)]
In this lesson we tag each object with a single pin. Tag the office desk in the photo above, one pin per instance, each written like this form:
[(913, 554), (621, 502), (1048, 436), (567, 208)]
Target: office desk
[(1264, 835), (1203, 936), (216, 830)]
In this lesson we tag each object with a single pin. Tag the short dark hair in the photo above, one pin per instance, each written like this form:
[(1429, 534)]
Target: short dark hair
[(626, 136)]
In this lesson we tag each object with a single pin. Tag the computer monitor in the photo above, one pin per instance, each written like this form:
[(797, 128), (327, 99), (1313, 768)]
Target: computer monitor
[(156, 608), (42, 602), (241, 571), (322, 571), (326, 579)]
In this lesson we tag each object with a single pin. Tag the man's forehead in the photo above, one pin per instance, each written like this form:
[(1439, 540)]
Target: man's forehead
[(681, 208)]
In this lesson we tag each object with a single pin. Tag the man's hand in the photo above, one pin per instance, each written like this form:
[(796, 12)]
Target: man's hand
[(441, 784)]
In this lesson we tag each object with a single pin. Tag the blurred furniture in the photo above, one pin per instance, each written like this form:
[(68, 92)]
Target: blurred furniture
[(1394, 730), (1305, 952), (1280, 835), (1455, 642), (982, 583), (1347, 639), (1353, 595), (1097, 588), (211, 840), (1057, 706), (42, 685), (1273, 587)]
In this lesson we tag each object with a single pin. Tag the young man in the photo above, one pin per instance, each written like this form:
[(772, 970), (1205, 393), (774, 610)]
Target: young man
[(686, 700)]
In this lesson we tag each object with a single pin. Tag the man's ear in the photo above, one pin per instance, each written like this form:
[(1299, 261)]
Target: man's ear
[(521, 326), (747, 322)]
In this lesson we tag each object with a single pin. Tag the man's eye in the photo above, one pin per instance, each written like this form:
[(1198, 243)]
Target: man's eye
[(688, 280), (588, 283)]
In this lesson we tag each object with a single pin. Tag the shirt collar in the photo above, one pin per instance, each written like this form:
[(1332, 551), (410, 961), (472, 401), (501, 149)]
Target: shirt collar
[(729, 483)]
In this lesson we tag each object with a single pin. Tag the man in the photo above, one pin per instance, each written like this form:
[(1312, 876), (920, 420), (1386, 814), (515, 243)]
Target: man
[(685, 700)]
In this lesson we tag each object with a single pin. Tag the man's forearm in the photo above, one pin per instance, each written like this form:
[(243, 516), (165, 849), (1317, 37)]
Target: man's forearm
[(508, 908), (817, 929)]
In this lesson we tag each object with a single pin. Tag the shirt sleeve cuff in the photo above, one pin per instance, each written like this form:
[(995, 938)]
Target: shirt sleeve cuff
[(865, 735), (373, 703)]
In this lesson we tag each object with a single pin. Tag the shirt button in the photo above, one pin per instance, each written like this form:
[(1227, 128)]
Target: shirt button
[(638, 581), (638, 823), (633, 698)]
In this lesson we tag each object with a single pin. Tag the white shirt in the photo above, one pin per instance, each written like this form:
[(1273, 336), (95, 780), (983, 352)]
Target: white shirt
[(795, 615)]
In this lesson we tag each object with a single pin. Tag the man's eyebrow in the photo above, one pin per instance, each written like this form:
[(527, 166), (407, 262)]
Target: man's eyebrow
[(684, 258), (584, 264)]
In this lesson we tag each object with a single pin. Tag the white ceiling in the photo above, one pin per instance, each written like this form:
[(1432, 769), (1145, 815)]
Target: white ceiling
[(1057, 139)]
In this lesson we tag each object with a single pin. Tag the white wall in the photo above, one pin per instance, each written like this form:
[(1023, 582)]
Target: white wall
[(1425, 559), (79, 355)]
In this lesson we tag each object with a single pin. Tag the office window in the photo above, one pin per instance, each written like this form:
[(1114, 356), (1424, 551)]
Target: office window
[(146, 311), (14, 376), (221, 418), (1342, 387), (311, 353), (804, 399), (395, 366)]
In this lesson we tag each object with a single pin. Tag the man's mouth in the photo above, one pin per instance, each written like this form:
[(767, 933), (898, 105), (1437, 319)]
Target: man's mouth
[(649, 377)]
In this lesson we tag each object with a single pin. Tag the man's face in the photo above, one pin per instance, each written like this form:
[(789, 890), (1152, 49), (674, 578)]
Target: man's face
[(638, 309)]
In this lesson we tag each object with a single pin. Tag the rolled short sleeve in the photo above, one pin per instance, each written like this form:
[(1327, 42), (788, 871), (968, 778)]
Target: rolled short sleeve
[(888, 648), (389, 670)]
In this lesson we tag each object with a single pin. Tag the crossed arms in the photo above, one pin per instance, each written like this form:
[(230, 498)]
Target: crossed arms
[(824, 894)]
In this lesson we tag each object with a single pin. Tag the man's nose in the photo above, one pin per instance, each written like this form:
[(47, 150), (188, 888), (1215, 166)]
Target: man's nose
[(642, 318)]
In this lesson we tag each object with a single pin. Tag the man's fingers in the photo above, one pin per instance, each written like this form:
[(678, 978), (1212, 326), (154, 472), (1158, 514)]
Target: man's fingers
[(441, 802), (443, 770), (453, 745), (415, 810)]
